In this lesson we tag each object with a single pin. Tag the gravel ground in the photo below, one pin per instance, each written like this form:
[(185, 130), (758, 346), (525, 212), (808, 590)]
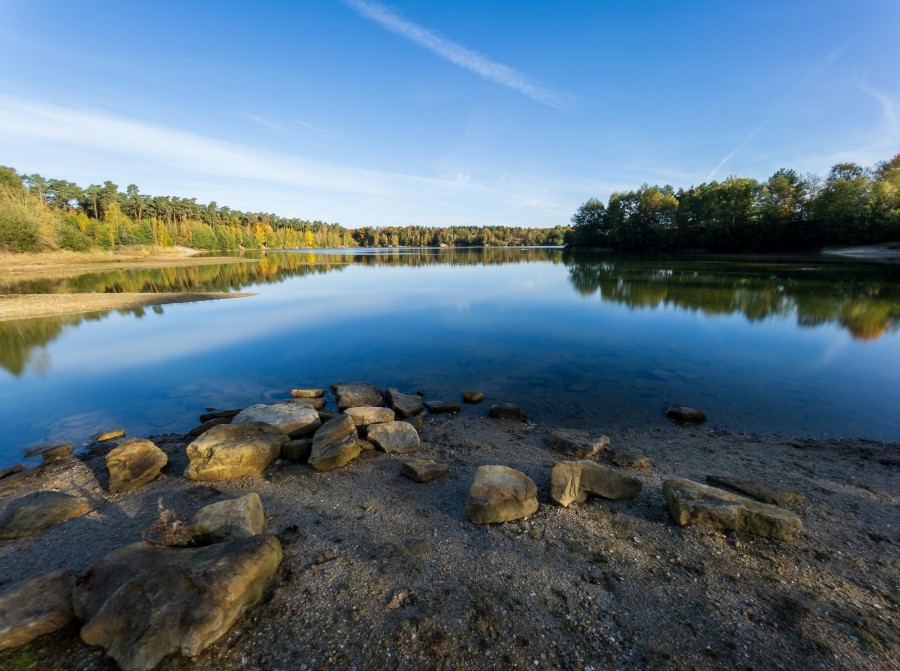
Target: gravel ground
[(380, 572)]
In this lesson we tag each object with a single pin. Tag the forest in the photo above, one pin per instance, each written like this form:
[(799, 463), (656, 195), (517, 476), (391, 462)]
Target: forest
[(852, 205), (39, 214)]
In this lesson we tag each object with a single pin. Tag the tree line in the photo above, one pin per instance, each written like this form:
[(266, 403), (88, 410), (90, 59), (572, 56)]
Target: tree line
[(37, 213), (851, 205)]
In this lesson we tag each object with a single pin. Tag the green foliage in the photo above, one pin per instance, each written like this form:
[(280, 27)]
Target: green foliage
[(25, 224)]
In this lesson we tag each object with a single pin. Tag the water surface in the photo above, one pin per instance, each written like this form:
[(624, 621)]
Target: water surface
[(799, 346)]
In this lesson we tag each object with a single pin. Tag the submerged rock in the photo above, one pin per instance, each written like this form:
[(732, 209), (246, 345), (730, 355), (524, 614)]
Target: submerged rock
[(133, 464), (50, 451), (107, 436), (234, 451), (500, 494), (405, 405), (41, 510), (507, 411), (693, 503), (577, 443), (682, 414), (229, 520), (423, 470), (356, 394), (294, 419), (39, 605), (573, 481), (335, 444), (439, 407), (473, 396), (394, 437), (760, 491), (144, 602)]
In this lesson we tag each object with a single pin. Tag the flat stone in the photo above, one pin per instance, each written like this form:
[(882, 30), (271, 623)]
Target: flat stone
[(229, 520), (107, 436), (220, 414), (693, 503), (423, 470), (356, 394), (11, 470), (39, 605), (760, 491), (578, 443), (405, 405), (307, 393), (500, 494), (207, 425), (144, 602), (394, 437), (50, 451), (294, 419), (438, 407), (316, 403), (364, 416), (473, 396), (133, 464), (416, 421), (297, 450), (630, 459), (40, 510), (507, 411), (335, 444), (234, 451), (572, 482), (682, 414)]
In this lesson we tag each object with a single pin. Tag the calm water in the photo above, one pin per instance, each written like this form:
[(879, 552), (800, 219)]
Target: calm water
[(794, 346)]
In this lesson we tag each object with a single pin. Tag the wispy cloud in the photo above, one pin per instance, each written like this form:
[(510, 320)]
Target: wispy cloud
[(456, 53), (262, 121), (313, 127), (734, 151)]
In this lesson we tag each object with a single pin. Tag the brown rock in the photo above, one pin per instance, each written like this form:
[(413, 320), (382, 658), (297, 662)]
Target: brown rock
[(50, 451), (307, 393), (394, 437), (416, 421), (760, 491), (405, 405), (297, 450), (630, 459), (229, 520), (576, 443), (364, 416), (315, 403), (293, 418), (220, 414), (40, 510), (507, 411), (573, 481), (233, 451), (133, 464), (500, 494), (107, 436), (39, 605), (356, 394), (207, 425), (335, 444), (423, 470), (438, 407), (473, 396), (682, 414)]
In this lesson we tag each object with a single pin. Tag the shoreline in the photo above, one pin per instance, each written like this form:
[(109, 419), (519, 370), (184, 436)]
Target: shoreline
[(388, 572)]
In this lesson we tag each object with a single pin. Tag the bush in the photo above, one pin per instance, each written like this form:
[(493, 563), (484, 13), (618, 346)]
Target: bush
[(25, 225)]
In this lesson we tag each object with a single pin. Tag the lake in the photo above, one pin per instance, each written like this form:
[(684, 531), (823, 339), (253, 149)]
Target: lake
[(790, 345)]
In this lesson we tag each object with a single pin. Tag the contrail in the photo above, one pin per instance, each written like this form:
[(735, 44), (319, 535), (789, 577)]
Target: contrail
[(732, 153)]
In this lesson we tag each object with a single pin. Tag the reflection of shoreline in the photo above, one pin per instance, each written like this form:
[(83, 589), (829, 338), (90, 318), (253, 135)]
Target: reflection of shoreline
[(865, 302)]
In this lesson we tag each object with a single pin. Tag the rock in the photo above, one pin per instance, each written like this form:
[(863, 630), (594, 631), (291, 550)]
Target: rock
[(365, 445), (294, 419), (326, 415), (50, 451), (405, 405), (220, 414), (394, 437), (229, 520), (423, 470), (573, 481), (365, 416), (630, 459), (438, 407), (500, 494), (416, 421), (335, 444), (107, 436), (297, 450), (133, 464), (576, 443), (760, 491), (473, 396), (682, 414), (11, 470), (40, 510), (315, 403), (39, 605), (234, 451), (307, 393), (207, 425), (144, 602), (693, 503), (356, 394), (507, 411)]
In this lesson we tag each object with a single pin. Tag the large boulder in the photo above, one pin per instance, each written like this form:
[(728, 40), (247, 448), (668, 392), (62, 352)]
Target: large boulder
[(405, 405), (577, 443), (572, 482), (229, 520), (693, 503), (39, 605), (234, 451), (500, 494), (367, 415), (133, 464), (144, 602), (296, 419), (40, 510), (507, 411), (335, 444), (356, 394), (394, 437)]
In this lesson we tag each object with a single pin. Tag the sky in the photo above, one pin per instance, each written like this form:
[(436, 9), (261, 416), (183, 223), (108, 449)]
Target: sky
[(442, 113)]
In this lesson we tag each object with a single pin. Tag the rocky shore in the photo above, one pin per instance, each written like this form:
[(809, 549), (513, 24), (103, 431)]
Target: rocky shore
[(368, 529)]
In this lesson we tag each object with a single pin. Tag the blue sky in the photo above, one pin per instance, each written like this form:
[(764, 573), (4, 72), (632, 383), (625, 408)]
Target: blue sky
[(442, 113)]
